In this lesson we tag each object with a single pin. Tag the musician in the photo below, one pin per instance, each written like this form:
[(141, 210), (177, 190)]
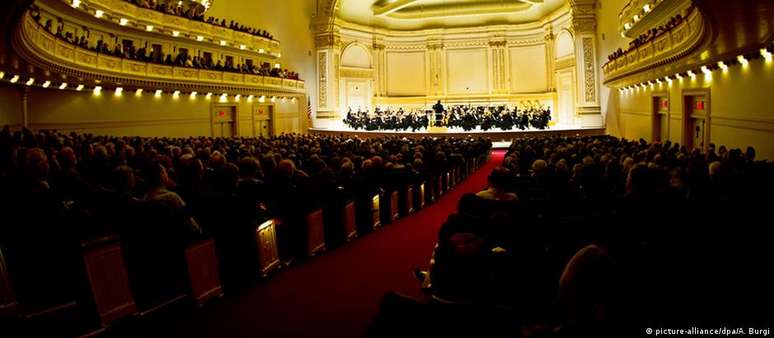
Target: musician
[(438, 108)]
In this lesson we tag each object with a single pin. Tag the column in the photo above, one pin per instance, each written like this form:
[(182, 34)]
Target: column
[(584, 29), (550, 58), (328, 53), (499, 76), (380, 67)]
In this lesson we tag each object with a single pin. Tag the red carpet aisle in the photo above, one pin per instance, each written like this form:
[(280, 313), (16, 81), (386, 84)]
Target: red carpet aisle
[(337, 294)]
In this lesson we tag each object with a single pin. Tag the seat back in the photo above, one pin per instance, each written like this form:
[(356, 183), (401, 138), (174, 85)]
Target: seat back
[(8, 302), (350, 227), (394, 205), (109, 280), (408, 203), (268, 253), (315, 232), (202, 264)]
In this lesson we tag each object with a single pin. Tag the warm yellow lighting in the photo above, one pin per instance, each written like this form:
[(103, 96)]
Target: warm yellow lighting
[(723, 66), (223, 42), (679, 77), (691, 74), (46, 84), (293, 99), (99, 13), (668, 80), (97, 91), (261, 51), (266, 224), (284, 99), (15, 78), (193, 95), (199, 38), (176, 94), (766, 54), (76, 3), (636, 17), (208, 96), (250, 98), (646, 8), (658, 81), (63, 86), (262, 99), (223, 97), (158, 93), (138, 92), (279, 55), (123, 22), (79, 88), (242, 47), (2, 75), (237, 97), (277, 65), (30, 81), (149, 28), (119, 91), (175, 33), (627, 25), (705, 70), (273, 99), (742, 60)]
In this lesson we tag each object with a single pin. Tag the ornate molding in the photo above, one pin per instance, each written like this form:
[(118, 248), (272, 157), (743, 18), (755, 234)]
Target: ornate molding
[(360, 73), (590, 89), (322, 71)]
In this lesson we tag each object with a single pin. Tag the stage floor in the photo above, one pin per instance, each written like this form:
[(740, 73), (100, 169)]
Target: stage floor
[(502, 137)]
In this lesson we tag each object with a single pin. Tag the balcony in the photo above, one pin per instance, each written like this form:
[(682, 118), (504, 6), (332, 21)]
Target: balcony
[(47, 51), (664, 48)]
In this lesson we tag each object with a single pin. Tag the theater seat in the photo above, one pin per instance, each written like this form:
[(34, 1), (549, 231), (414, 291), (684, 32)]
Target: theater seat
[(421, 195), (315, 232), (268, 254), (8, 303), (394, 205), (350, 227), (202, 264), (407, 203), (108, 279)]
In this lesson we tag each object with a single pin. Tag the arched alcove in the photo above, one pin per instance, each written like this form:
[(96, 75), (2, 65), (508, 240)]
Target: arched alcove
[(356, 56), (565, 47)]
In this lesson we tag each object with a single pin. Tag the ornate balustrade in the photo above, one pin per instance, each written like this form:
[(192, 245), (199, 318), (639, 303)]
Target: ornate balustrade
[(59, 56), (665, 48), (163, 22)]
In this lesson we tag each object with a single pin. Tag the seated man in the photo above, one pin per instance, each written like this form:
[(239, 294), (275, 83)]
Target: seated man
[(498, 181)]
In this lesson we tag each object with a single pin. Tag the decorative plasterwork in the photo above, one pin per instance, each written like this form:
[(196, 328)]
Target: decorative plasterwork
[(357, 73), (590, 89), (322, 71)]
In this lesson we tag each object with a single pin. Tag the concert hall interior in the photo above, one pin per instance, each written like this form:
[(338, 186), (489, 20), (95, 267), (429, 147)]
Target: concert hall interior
[(386, 168)]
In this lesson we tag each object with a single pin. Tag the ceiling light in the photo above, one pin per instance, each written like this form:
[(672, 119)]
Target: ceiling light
[(705, 70), (193, 95), (223, 42), (79, 88), (97, 90), (149, 28), (277, 65), (627, 25), (119, 91), (208, 96), (30, 81), (242, 47), (175, 33), (223, 97), (723, 66), (76, 3), (678, 76), (158, 93), (99, 13), (262, 99), (636, 18), (273, 99), (15, 78), (63, 86), (261, 51), (138, 92), (176, 94), (646, 8), (123, 22), (691, 74), (250, 98), (199, 38), (46, 84), (237, 97)]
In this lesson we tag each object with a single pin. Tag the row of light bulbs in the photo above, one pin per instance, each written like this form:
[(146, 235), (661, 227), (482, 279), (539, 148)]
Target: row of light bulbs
[(149, 28), (119, 91), (706, 70)]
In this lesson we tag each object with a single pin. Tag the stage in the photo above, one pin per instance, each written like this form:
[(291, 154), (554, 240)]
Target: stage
[(502, 138)]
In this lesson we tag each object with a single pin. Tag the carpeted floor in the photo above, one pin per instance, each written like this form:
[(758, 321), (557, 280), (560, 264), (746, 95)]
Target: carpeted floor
[(334, 295)]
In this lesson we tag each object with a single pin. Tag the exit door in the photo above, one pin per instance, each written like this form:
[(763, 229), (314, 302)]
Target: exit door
[(660, 118), (695, 127), (224, 121)]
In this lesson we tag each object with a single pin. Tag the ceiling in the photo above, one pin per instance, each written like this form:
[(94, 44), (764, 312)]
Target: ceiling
[(426, 14)]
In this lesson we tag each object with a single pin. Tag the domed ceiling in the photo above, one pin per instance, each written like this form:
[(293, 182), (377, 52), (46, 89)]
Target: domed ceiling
[(427, 14)]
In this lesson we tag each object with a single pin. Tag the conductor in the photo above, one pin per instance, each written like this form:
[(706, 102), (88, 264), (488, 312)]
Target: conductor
[(438, 108)]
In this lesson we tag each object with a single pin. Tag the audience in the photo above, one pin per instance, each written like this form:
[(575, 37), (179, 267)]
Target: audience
[(195, 11), (650, 35)]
